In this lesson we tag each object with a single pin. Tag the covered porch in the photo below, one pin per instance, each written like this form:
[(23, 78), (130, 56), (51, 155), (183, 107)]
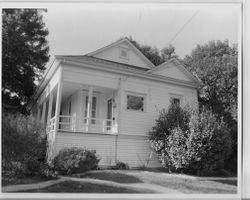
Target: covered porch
[(74, 107)]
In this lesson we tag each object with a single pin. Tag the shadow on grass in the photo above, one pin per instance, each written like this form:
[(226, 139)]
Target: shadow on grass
[(115, 177), (77, 187)]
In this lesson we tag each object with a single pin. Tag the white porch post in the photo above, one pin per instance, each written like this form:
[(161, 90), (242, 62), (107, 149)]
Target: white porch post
[(50, 107), (43, 112), (58, 103), (89, 107)]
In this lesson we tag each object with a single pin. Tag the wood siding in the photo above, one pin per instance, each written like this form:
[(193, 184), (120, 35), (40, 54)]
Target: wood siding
[(133, 150)]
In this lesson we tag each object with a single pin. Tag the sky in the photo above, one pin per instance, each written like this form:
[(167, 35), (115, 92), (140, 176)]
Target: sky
[(80, 28)]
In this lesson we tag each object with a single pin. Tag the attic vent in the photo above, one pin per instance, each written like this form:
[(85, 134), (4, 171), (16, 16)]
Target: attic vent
[(124, 53)]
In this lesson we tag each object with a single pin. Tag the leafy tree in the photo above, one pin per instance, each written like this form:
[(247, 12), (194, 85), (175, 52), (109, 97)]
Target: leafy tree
[(215, 64), (153, 54), (24, 55), (168, 53)]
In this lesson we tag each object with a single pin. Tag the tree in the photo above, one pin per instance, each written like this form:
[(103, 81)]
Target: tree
[(24, 55), (215, 64), (168, 52), (153, 54)]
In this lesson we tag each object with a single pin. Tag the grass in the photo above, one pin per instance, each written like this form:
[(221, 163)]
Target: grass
[(113, 176), (188, 184), (78, 187), (25, 180)]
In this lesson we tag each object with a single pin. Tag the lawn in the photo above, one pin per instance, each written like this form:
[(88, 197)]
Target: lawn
[(182, 183), (25, 180), (188, 184), (78, 187)]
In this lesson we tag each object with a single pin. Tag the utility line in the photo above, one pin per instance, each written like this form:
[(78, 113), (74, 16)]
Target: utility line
[(181, 29)]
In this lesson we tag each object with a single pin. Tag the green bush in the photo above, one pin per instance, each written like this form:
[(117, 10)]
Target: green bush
[(121, 165), (75, 160), (23, 144), (200, 144)]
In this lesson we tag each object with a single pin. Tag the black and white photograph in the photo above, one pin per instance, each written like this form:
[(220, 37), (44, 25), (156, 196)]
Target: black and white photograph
[(121, 99)]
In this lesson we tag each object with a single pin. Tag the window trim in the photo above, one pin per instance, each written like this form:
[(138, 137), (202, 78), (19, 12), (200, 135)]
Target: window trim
[(176, 96), (137, 95)]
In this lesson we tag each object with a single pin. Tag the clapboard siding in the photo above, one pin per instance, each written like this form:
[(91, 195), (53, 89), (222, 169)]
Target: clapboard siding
[(157, 97), (133, 150), (103, 144)]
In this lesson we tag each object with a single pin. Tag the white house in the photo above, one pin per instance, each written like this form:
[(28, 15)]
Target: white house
[(108, 101)]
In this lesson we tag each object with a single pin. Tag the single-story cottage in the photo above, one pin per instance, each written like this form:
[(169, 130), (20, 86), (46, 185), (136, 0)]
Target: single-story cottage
[(108, 101)]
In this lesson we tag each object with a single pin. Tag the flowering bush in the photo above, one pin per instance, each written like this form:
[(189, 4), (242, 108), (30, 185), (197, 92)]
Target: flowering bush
[(196, 142)]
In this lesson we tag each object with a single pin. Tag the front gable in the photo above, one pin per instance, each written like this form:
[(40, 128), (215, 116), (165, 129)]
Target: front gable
[(124, 52), (174, 69)]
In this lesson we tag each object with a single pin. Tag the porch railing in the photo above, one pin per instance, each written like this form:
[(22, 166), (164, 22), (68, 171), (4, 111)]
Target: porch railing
[(51, 125), (83, 124)]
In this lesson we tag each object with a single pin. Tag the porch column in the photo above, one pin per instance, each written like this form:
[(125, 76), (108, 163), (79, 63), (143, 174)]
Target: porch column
[(50, 107), (43, 113), (89, 107), (58, 103)]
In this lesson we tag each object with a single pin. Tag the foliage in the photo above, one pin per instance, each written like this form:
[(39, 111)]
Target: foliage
[(169, 119), (215, 64), (23, 144), (188, 141), (24, 55), (152, 53), (209, 143), (168, 53), (121, 165), (75, 160)]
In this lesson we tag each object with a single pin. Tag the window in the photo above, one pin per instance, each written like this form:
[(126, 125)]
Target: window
[(124, 53), (135, 103), (176, 101), (93, 111)]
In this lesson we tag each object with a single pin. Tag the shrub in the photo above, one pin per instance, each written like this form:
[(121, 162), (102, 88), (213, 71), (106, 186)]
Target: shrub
[(121, 165), (209, 143), (177, 149), (168, 120), (75, 160), (200, 145), (23, 144)]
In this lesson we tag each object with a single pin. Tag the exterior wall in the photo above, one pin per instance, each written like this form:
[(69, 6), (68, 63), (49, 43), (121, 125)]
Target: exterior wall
[(133, 150), (113, 54), (157, 97)]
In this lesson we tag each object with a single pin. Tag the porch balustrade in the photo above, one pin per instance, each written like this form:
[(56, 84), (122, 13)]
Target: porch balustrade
[(83, 124)]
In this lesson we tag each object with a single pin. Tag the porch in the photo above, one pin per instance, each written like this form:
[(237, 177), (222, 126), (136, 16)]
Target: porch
[(72, 107)]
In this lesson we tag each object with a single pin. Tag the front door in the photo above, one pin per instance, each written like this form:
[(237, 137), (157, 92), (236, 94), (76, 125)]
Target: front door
[(109, 114)]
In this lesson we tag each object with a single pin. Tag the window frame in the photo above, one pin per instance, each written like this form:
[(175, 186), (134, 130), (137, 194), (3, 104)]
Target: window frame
[(136, 95), (176, 96)]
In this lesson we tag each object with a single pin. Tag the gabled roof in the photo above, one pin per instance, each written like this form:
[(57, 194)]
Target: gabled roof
[(126, 40), (180, 66)]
